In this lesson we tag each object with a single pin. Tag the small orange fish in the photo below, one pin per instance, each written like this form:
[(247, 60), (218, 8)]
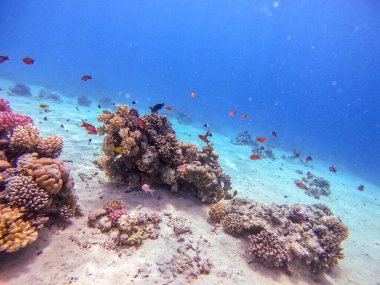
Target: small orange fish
[(274, 134), (255, 157), (86, 77), (262, 140), (232, 113), (245, 116), (301, 185), (28, 60), (169, 108), (204, 138), (193, 94), (140, 122)]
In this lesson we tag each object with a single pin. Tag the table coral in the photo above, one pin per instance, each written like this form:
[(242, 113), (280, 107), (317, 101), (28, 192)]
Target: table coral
[(14, 232)]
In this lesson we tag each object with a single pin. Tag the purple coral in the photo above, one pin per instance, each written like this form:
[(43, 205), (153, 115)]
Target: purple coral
[(115, 215), (9, 121), (4, 106)]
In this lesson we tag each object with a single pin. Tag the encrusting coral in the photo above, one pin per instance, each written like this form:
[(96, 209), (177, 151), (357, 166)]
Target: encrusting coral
[(218, 211), (284, 236), (35, 186), (132, 227), (145, 150)]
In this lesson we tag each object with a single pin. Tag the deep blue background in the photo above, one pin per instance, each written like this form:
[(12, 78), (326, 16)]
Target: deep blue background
[(308, 69)]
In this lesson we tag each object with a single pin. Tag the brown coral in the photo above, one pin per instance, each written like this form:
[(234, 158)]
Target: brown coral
[(49, 174), (233, 224), (218, 211), (269, 249), (50, 147), (14, 232), (113, 205), (21, 191)]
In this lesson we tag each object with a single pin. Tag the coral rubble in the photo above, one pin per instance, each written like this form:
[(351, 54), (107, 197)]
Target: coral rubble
[(130, 228), (145, 150), (282, 236), (47, 94), (20, 90), (35, 186)]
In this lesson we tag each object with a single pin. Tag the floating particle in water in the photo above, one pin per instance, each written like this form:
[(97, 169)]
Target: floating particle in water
[(127, 95), (333, 83), (276, 4), (119, 92), (312, 48), (250, 99)]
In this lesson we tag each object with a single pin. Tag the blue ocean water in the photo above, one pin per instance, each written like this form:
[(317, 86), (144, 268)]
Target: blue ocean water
[(308, 69)]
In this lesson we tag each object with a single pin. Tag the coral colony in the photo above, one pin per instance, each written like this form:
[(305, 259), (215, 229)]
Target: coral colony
[(144, 153), (35, 186)]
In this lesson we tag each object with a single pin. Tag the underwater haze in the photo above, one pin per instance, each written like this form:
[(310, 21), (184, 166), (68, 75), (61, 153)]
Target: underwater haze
[(308, 69)]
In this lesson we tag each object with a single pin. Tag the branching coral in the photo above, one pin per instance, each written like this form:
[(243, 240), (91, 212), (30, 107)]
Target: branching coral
[(21, 191), (14, 232), (27, 139), (218, 211), (269, 249), (151, 153), (9, 121)]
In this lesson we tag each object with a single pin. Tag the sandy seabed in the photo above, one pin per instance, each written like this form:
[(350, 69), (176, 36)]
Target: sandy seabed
[(78, 254)]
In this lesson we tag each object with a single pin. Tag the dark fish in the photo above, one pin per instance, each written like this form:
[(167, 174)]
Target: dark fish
[(45, 118), (67, 120), (332, 169), (309, 158), (62, 126), (361, 187), (157, 107), (206, 125), (274, 134), (204, 138), (134, 102), (89, 140), (77, 108), (113, 103), (99, 106), (235, 193), (208, 134), (86, 77), (3, 58)]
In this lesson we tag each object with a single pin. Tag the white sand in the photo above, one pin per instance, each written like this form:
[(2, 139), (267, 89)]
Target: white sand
[(78, 255)]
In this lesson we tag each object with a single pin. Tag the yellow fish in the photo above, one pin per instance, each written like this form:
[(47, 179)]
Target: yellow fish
[(118, 149), (44, 106)]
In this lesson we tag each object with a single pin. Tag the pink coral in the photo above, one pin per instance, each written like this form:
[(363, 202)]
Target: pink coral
[(116, 214), (4, 106), (9, 121)]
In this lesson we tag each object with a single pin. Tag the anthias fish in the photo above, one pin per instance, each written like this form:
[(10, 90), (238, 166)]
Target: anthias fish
[(86, 77), (3, 58), (301, 185), (332, 169), (156, 107), (28, 60), (245, 116), (255, 157), (169, 108), (140, 122), (89, 128), (262, 140), (274, 134), (193, 94), (232, 113)]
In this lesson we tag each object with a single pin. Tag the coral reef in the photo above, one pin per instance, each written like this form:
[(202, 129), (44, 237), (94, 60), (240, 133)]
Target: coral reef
[(316, 186), (263, 152), (131, 228), (20, 90), (48, 95), (182, 117), (297, 236), (34, 187), (83, 101), (150, 153), (244, 138)]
